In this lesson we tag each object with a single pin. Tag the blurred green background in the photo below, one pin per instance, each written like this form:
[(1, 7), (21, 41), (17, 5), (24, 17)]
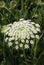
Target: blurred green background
[(13, 10)]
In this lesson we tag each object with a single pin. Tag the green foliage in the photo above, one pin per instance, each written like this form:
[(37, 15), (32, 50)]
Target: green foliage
[(13, 10)]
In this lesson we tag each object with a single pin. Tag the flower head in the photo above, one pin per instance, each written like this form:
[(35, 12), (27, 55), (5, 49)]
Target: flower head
[(22, 33)]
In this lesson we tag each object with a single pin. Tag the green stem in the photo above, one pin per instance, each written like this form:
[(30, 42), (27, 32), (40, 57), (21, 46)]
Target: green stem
[(34, 57), (40, 56), (25, 10), (25, 58), (3, 49), (35, 49), (32, 49), (22, 7), (8, 11)]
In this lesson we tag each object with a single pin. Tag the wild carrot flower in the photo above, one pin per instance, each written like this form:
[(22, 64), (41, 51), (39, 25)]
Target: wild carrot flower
[(21, 33)]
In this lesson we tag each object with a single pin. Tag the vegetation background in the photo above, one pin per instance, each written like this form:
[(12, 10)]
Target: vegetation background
[(13, 10)]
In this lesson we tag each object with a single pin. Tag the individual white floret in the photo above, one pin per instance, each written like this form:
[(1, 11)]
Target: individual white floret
[(6, 39), (16, 42), (21, 19), (26, 46), (31, 41), (21, 45), (32, 23), (33, 27), (16, 47), (10, 30), (27, 41), (10, 33), (38, 29), (30, 32), (16, 38), (10, 44), (37, 25), (25, 22), (34, 31), (23, 35), (6, 33), (37, 36), (28, 37), (22, 40), (32, 36), (11, 38)]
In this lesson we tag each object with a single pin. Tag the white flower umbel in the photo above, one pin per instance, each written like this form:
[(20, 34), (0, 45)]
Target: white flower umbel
[(21, 33)]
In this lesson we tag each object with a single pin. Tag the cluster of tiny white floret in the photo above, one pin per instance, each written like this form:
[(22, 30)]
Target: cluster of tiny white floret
[(22, 33)]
